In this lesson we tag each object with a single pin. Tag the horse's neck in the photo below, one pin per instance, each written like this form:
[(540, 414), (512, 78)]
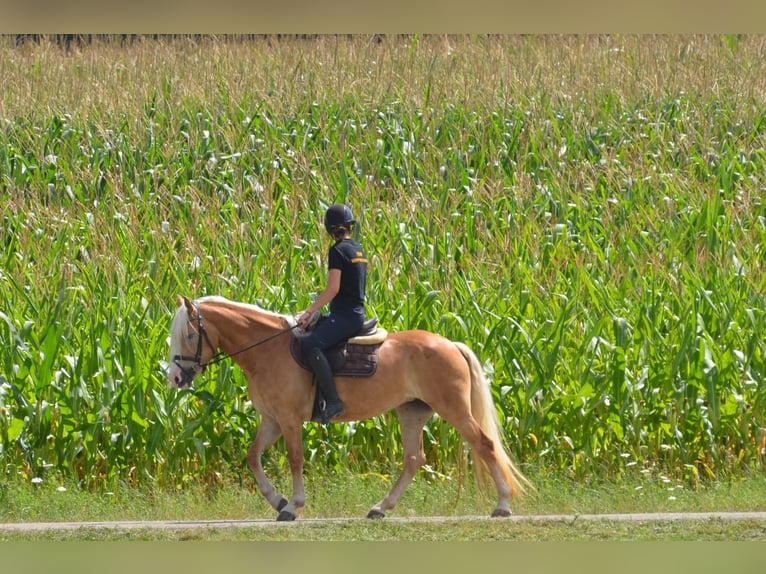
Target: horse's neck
[(239, 326)]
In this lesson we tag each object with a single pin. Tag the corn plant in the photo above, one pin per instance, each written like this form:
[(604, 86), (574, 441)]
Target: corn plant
[(586, 213)]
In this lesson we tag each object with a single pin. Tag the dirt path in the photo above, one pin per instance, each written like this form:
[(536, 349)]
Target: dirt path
[(193, 524)]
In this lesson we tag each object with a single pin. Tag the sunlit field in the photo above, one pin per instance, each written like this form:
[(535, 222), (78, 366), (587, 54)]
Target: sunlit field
[(586, 213)]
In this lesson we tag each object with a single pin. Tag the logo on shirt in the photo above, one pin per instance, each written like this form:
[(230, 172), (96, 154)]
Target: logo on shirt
[(360, 258)]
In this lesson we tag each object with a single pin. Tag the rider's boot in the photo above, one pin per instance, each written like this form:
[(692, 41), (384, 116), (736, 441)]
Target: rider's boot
[(332, 406)]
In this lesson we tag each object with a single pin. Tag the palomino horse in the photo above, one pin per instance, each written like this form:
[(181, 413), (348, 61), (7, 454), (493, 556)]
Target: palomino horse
[(418, 373)]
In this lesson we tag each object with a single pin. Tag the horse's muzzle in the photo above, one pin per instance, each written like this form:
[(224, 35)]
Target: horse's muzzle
[(183, 377), (184, 384)]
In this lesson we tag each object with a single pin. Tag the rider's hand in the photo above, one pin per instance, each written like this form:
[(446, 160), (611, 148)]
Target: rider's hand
[(303, 319)]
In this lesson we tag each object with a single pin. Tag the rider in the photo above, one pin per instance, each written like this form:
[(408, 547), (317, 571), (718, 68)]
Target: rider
[(345, 292)]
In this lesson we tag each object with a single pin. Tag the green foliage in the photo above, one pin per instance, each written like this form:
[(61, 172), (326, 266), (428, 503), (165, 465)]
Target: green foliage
[(586, 213)]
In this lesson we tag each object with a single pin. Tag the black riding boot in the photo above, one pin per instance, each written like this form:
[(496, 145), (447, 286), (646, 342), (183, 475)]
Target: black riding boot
[(332, 406)]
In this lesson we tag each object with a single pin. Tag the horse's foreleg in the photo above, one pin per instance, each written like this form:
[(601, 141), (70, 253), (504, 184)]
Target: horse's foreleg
[(412, 418), (294, 445), (267, 435)]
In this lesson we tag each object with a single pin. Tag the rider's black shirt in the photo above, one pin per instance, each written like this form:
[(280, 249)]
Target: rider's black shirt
[(348, 256)]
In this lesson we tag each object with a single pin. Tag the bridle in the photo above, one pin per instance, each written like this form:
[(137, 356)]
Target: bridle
[(197, 366), (189, 372)]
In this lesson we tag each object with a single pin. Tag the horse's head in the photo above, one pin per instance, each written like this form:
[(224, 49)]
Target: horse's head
[(190, 345)]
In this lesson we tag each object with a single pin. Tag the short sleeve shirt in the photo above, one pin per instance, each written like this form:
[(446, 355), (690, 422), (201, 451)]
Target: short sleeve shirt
[(348, 256)]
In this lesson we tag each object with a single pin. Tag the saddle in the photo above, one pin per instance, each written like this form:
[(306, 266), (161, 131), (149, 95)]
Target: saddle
[(354, 357)]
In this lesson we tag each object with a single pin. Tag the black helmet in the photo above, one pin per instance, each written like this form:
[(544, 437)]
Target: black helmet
[(336, 215)]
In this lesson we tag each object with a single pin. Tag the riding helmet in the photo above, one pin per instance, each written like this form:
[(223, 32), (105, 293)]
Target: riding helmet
[(336, 215)]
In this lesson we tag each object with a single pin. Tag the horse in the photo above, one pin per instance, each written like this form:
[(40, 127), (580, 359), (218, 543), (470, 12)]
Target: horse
[(419, 373)]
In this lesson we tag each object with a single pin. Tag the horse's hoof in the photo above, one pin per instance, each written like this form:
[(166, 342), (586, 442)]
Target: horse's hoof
[(282, 504), (501, 513), (375, 514), (285, 516)]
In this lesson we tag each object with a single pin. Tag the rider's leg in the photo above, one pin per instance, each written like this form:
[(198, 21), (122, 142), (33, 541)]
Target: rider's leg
[(329, 331), (333, 406)]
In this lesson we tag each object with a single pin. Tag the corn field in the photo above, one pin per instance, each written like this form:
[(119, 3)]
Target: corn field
[(586, 213)]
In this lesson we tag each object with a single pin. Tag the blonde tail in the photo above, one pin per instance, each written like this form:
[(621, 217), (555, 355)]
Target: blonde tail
[(483, 410)]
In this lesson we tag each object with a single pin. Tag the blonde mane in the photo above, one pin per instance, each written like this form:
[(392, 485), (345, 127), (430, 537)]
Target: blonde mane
[(178, 326)]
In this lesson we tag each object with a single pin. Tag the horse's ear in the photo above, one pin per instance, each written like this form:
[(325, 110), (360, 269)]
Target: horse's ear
[(185, 302)]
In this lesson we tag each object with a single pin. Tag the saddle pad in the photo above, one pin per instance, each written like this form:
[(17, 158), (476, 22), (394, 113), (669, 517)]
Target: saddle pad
[(360, 360)]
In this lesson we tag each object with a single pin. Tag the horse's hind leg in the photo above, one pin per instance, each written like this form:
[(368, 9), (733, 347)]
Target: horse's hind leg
[(488, 451), (267, 435), (412, 418)]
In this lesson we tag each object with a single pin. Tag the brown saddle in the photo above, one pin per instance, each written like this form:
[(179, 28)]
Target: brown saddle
[(355, 357)]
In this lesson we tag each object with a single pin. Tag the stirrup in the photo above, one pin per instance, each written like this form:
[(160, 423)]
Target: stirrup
[(336, 409)]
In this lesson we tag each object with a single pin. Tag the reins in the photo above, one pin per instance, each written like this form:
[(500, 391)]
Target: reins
[(220, 355)]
